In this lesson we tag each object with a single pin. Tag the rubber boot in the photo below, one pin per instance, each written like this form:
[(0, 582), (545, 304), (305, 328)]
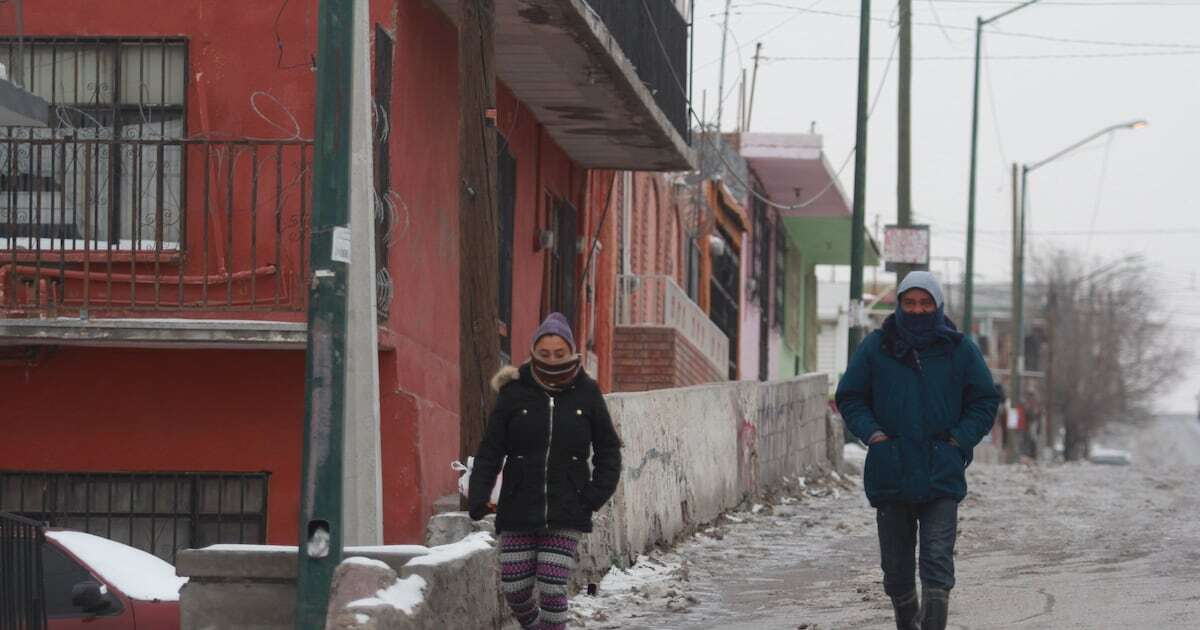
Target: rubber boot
[(935, 608), (908, 611)]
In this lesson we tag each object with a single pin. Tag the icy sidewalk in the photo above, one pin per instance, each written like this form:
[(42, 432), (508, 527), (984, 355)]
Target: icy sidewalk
[(759, 545)]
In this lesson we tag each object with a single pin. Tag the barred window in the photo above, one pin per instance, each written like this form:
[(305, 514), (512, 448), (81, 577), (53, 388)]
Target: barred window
[(131, 90), (159, 513)]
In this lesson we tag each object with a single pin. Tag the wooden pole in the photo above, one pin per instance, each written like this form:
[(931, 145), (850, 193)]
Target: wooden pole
[(478, 220)]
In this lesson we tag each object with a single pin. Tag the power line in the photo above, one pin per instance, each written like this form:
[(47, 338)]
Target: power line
[(1030, 57), (991, 92), (716, 150), (1049, 38), (1099, 192), (1132, 232), (1075, 3)]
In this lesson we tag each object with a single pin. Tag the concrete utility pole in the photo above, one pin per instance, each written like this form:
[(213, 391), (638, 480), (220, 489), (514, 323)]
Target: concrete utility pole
[(858, 225), (1015, 344), (478, 220), (904, 140), (320, 532), (363, 482), (721, 75), (753, 84)]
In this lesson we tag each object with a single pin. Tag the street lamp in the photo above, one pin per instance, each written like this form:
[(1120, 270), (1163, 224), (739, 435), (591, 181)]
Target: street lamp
[(969, 281), (1018, 352)]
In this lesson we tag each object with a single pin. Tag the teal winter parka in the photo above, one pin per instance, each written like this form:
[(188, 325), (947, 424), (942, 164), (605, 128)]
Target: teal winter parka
[(948, 393)]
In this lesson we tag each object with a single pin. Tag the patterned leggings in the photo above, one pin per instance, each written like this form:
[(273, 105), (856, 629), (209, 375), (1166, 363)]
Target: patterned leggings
[(548, 556)]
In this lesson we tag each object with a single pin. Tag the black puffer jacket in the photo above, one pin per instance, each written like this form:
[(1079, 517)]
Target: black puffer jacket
[(548, 439)]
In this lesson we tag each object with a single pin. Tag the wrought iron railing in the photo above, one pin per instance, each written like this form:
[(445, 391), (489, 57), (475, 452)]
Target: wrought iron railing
[(658, 301), (157, 512), (22, 590), (109, 224), (654, 36)]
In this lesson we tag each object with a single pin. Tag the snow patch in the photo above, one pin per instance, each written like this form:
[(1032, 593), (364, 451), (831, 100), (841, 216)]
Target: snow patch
[(853, 452), (254, 548), (134, 572), (478, 541), (404, 595), (360, 561), (412, 550)]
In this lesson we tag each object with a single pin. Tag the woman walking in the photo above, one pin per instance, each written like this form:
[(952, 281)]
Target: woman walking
[(549, 416)]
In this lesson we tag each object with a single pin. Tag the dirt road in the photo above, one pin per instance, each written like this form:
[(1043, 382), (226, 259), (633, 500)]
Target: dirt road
[(1069, 546)]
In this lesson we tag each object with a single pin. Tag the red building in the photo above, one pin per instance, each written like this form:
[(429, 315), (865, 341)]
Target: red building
[(153, 243)]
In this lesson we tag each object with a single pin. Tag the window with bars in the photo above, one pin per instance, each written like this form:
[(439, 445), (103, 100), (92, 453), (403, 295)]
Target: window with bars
[(506, 193), (761, 252), (159, 513), (127, 91), (565, 256)]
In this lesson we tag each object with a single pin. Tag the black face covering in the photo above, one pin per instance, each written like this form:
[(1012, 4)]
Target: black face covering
[(555, 376)]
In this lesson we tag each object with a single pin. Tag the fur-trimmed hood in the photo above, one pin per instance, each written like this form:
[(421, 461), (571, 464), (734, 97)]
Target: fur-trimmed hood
[(506, 375)]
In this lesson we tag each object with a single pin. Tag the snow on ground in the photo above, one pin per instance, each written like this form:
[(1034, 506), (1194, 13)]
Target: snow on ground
[(1075, 545), (666, 588), (134, 572)]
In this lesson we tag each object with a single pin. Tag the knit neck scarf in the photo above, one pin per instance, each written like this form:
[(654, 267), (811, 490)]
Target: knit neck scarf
[(906, 334), (555, 376)]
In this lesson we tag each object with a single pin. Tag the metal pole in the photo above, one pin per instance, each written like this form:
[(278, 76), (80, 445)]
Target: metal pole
[(858, 227), (1018, 363), (969, 279), (721, 76), (904, 129), (320, 533)]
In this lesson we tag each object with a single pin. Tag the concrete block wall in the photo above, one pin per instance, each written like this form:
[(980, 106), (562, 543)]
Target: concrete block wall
[(689, 454), (692, 453), (658, 357), (791, 432)]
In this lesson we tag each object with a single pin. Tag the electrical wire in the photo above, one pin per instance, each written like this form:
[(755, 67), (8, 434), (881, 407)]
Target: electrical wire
[(993, 110), (762, 34), (996, 31), (1099, 192), (732, 172), (832, 180), (1029, 57)]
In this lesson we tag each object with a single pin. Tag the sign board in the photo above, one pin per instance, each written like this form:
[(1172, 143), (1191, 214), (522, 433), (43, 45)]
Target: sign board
[(906, 245)]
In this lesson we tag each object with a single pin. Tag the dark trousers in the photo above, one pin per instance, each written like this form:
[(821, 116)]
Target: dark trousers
[(901, 525)]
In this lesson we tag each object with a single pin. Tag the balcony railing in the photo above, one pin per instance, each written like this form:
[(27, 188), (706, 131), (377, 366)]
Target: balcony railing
[(654, 36), (114, 225), (658, 301)]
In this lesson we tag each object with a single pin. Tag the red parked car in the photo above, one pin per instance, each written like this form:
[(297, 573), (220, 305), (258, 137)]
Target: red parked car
[(98, 584)]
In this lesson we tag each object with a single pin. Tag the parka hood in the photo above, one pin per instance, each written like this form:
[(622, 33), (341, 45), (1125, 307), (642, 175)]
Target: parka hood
[(504, 376)]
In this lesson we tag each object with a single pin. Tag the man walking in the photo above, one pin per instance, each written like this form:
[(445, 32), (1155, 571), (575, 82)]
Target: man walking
[(919, 394)]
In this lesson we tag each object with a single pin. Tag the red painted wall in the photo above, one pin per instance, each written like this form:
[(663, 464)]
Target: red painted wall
[(102, 409), (226, 410), (419, 380)]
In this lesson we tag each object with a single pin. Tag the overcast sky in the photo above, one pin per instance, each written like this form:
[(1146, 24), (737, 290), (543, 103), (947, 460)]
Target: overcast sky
[(1130, 59)]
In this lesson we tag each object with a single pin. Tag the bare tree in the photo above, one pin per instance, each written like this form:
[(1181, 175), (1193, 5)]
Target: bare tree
[(1109, 344)]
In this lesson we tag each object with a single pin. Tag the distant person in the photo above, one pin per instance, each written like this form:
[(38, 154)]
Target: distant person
[(549, 417), (920, 395)]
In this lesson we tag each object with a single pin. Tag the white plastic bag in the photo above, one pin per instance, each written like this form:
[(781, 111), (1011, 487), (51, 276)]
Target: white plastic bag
[(464, 480)]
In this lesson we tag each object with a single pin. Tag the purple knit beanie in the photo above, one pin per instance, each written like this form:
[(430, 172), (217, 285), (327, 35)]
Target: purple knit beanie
[(555, 324)]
